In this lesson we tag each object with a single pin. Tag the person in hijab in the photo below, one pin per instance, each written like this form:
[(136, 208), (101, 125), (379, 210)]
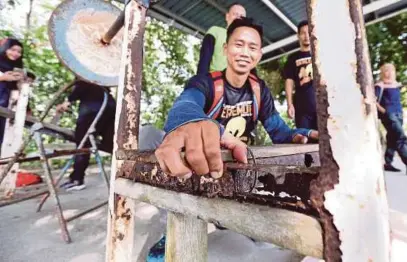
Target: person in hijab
[(11, 58)]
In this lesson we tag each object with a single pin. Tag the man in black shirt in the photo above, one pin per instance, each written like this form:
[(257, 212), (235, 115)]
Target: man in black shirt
[(298, 75)]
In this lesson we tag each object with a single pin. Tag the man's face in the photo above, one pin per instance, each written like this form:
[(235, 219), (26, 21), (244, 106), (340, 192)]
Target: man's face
[(303, 36), (243, 50), (235, 12)]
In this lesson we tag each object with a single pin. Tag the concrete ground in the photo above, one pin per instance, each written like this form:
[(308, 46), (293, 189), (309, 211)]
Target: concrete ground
[(27, 236)]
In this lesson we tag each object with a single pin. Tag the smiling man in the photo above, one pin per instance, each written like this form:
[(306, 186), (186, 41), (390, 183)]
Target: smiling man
[(222, 109)]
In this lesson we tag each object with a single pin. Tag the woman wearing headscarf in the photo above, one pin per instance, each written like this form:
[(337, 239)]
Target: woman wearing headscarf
[(391, 115), (11, 57)]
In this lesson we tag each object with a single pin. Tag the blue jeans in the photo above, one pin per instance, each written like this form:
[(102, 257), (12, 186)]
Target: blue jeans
[(396, 139)]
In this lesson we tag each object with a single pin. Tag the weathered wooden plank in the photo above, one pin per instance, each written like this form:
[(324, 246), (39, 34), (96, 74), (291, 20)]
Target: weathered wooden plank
[(187, 239), (284, 228)]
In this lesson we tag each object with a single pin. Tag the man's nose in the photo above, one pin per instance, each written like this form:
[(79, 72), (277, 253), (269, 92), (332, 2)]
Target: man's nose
[(245, 51)]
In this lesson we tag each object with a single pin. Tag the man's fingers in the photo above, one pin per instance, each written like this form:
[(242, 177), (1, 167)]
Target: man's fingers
[(163, 166), (169, 157), (194, 151), (211, 145), (238, 148), (172, 162)]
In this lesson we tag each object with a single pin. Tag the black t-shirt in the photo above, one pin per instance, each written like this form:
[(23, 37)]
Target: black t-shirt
[(236, 114), (299, 69)]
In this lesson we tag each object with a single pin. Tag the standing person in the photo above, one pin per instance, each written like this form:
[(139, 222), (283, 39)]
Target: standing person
[(391, 115), (90, 97), (298, 81), (212, 57), (11, 57)]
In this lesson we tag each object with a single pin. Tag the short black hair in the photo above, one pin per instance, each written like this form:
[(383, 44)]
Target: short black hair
[(244, 22), (31, 75), (301, 24), (233, 4)]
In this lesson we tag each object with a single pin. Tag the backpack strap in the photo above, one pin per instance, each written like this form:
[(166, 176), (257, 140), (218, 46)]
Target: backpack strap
[(218, 85), (218, 91), (256, 90)]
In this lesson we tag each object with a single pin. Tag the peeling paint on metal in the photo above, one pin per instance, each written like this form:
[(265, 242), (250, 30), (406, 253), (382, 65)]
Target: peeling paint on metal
[(351, 163)]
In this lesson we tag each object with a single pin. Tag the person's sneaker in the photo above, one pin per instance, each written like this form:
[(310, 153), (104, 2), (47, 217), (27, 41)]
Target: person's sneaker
[(391, 168), (67, 184), (76, 186)]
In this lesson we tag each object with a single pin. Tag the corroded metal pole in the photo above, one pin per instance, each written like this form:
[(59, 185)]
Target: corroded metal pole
[(349, 192), (114, 29), (121, 209)]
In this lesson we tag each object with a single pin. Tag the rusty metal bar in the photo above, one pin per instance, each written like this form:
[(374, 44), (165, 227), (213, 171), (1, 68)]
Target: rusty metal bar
[(4, 203), (48, 177), (49, 128), (281, 150), (114, 29), (119, 245), (69, 219), (280, 186), (56, 153)]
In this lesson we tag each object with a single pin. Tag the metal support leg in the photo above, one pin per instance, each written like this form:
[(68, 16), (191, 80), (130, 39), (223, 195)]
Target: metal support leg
[(99, 159), (51, 187), (91, 130), (56, 183)]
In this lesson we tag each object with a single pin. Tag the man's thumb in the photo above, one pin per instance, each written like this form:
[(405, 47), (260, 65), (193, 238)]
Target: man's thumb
[(238, 148)]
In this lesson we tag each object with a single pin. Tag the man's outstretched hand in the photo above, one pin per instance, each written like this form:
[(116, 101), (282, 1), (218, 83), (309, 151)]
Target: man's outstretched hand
[(202, 144)]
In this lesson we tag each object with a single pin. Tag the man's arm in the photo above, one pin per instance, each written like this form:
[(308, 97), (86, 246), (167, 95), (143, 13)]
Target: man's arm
[(189, 129), (189, 107), (280, 133), (289, 88), (206, 53)]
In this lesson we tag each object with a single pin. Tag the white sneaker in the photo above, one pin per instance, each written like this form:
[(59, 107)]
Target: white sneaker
[(76, 188)]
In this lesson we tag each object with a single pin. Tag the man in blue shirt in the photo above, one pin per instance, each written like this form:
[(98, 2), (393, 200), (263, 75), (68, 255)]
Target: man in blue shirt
[(192, 125)]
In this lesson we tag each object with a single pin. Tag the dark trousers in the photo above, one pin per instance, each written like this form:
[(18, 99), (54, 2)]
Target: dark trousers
[(104, 128), (396, 139), (306, 120)]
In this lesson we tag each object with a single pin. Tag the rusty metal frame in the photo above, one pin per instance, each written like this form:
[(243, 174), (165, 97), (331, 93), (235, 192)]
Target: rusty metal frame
[(36, 131)]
